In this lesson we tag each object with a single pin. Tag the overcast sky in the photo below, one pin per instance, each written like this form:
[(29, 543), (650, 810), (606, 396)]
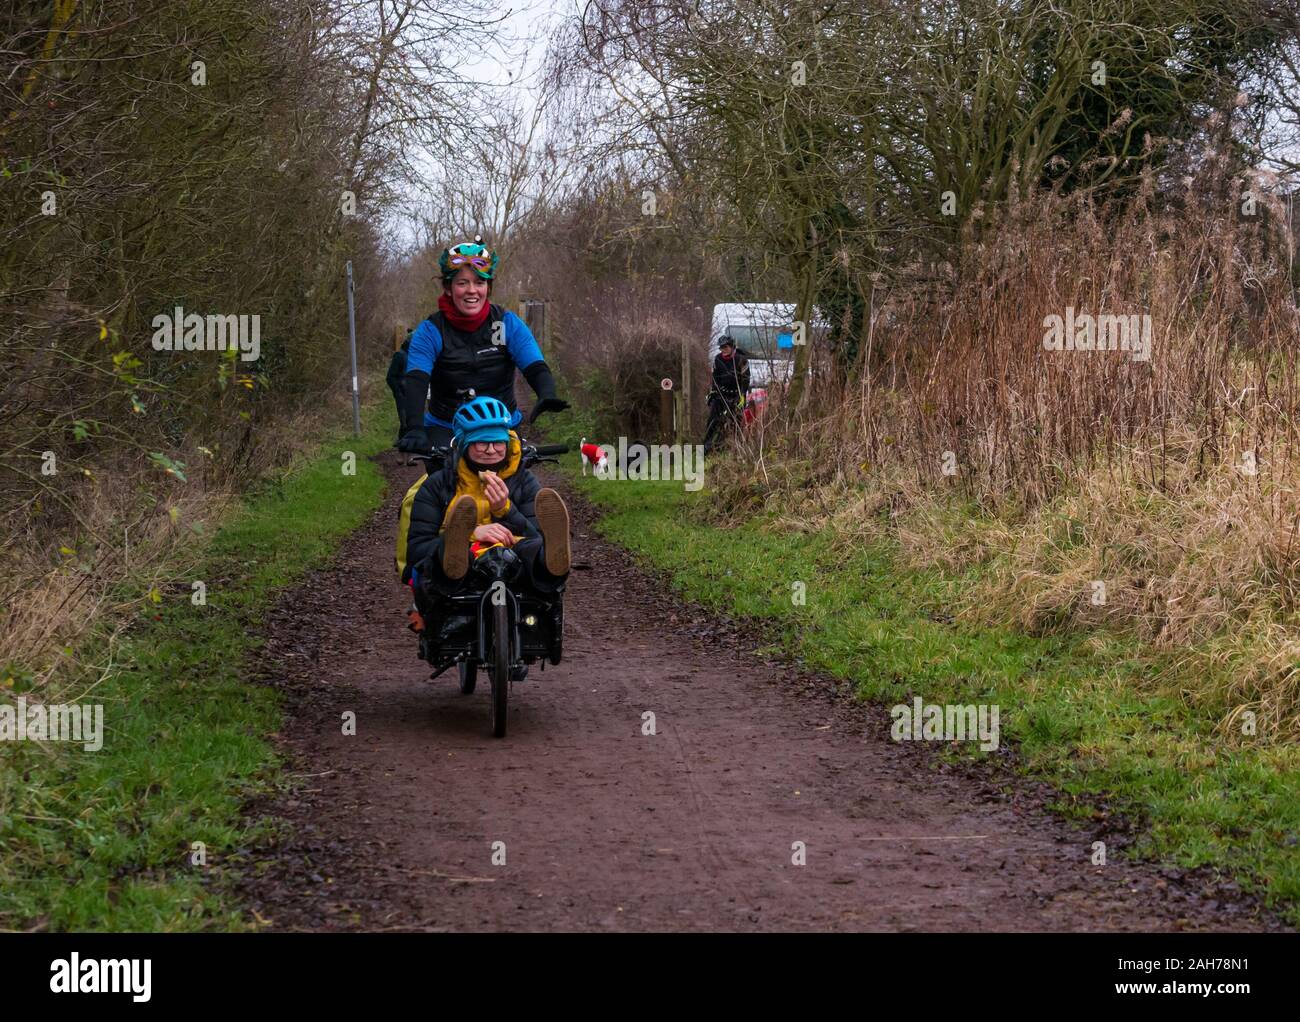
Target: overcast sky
[(527, 24)]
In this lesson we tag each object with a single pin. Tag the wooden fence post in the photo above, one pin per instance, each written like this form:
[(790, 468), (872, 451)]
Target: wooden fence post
[(684, 424)]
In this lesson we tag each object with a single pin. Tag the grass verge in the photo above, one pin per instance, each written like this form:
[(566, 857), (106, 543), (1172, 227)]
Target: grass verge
[(109, 840), (1079, 707)]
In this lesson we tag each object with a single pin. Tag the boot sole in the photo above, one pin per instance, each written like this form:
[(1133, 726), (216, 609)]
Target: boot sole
[(461, 521), (553, 521)]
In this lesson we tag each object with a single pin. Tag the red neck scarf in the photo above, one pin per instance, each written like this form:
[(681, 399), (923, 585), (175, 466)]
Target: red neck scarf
[(466, 324)]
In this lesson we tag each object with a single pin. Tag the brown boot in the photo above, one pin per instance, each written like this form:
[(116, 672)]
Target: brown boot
[(553, 521), (460, 523)]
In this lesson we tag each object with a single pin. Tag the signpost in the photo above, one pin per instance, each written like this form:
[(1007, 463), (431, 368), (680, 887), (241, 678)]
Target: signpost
[(352, 343)]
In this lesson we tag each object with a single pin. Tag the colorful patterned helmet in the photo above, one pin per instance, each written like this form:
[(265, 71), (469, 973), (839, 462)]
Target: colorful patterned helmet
[(473, 254), (481, 420)]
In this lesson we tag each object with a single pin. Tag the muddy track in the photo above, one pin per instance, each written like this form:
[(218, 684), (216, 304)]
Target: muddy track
[(606, 828)]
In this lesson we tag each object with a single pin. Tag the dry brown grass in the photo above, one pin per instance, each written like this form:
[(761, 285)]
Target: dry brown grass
[(136, 532), (1077, 468)]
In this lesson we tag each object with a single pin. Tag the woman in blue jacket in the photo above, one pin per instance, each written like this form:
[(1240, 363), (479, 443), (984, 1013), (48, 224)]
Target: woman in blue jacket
[(468, 348)]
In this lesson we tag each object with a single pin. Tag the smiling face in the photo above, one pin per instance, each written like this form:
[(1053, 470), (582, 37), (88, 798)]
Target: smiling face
[(469, 291)]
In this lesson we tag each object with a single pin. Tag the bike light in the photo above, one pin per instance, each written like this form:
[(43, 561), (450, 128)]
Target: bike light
[(530, 620)]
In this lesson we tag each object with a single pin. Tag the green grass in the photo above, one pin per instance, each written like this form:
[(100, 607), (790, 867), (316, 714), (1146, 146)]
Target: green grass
[(1080, 708), (103, 840)]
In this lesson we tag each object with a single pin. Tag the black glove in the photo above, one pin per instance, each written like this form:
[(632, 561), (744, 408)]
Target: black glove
[(540, 379), (415, 441), (547, 404)]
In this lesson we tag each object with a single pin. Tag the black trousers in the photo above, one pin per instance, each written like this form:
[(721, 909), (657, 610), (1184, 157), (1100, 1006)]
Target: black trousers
[(439, 436), (535, 579), (722, 417), (397, 396)]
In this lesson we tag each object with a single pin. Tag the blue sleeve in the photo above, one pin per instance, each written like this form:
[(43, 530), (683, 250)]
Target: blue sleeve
[(426, 345), (521, 344)]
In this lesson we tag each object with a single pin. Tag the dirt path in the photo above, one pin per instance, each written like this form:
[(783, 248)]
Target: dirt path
[(605, 828)]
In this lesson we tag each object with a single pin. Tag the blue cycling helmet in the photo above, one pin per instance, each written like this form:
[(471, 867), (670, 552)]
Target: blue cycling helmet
[(481, 420)]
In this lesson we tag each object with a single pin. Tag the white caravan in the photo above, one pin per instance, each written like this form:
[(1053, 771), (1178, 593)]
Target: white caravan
[(764, 333)]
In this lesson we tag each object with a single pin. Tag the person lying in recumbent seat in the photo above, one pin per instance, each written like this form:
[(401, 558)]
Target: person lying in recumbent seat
[(480, 498)]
